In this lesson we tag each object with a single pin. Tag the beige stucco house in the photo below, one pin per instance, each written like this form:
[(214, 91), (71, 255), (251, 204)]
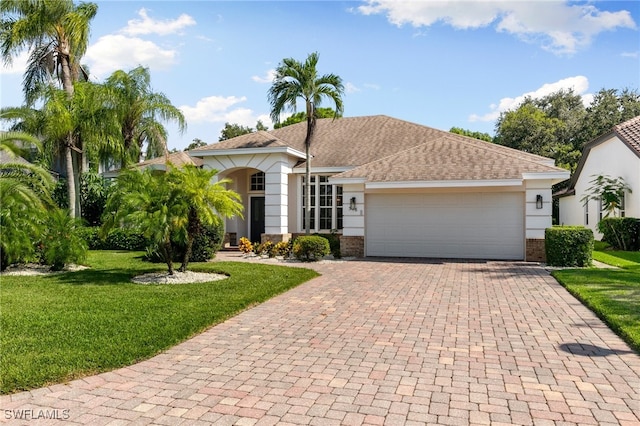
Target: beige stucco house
[(390, 188), (614, 154)]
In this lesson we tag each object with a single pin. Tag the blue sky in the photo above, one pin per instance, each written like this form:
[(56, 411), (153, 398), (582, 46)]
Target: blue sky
[(437, 63)]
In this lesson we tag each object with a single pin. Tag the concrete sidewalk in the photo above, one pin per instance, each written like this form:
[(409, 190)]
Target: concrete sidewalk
[(377, 342)]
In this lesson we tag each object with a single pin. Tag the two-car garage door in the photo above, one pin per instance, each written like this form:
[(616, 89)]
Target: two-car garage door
[(452, 225)]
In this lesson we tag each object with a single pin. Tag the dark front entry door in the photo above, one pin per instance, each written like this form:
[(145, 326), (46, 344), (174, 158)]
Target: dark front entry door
[(257, 218)]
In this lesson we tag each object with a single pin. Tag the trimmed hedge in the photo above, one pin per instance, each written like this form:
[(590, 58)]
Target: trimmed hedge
[(621, 233), (568, 246), (334, 243), (310, 248), (118, 239)]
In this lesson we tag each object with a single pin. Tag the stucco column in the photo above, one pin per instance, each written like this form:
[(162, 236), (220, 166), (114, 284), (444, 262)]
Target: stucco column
[(276, 205), (352, 239), (537, 219)]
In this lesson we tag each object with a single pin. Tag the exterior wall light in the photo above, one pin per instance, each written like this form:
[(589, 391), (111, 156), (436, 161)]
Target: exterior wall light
[(352, 204), (538, 201)]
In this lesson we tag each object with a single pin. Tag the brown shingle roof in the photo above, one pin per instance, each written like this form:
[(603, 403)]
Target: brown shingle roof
[(451, 157), (358, 141), (178, 159), (629, 132)]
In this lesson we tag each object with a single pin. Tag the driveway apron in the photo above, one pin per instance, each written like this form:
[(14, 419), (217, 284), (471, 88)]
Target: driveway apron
[(395, 342)]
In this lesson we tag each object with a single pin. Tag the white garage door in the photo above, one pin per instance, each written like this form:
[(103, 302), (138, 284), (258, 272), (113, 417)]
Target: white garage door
[(465, 225)]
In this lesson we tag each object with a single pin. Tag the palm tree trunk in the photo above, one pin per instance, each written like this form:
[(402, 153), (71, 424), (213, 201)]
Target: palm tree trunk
[(167, 253), (71, 181), (192, 230)]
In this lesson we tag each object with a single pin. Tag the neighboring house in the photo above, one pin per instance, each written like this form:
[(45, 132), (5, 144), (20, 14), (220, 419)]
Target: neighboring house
[(390, 188), (176, 159), (614, 154)]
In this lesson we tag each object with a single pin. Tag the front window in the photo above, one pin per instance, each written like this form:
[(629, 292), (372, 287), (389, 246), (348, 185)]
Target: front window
[(328, 200), (622, 202), (586, 213), (257, 182)]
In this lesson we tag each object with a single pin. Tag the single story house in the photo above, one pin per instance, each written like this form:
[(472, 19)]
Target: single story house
[(390, 188), (614, 154)]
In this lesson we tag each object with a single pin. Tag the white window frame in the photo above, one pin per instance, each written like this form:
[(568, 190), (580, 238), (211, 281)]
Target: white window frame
[(586, 213), (315, 204)]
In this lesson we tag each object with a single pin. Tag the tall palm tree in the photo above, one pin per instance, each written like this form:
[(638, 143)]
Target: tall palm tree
[(57, 35), (84, 117), (140, 111), (294, 80)]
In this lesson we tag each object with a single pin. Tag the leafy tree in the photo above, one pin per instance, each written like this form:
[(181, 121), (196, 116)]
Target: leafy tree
[(93, 197), (140, 111), (57, 35), (233, 130), (558, 125), (476, 135), (168, 208), (294, 80), (301, 116), (24, 195), (609, 108), (197, 143)]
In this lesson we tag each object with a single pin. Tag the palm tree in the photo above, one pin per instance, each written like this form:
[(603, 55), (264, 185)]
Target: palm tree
[(24, 195), (140, 111), (55, 32), (293, 80), (168, 208), (203, 200), (57, 35)]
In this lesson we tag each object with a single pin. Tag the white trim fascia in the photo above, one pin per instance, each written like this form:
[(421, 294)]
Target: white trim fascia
[(564, 175), (346, 181), (442, 183), (248, 151), (318, 170)]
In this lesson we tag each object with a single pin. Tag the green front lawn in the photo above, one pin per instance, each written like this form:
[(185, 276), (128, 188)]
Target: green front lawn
[(613, 294), (60, 327)]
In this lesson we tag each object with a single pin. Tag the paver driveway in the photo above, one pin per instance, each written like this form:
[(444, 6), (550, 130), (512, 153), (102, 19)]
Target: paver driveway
[(377, 342)]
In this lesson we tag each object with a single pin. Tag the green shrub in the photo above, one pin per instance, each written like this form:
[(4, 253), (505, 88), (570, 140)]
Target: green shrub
[(622, 233), (310, 248), (62, 241), (334, 243), (568, 246), (118, 239)]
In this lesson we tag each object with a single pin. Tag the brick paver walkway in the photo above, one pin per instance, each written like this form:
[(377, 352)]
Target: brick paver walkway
[(395, 343)]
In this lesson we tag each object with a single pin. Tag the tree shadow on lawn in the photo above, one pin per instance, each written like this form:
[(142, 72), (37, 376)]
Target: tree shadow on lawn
[(100, 276)]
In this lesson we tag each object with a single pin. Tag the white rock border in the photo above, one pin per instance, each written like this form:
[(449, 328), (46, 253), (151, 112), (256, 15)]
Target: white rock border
[(187, 277)]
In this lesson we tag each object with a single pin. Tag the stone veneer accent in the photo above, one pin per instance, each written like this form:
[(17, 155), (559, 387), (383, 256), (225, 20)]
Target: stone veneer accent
[(352, 246), (535, 250), (274, 238)]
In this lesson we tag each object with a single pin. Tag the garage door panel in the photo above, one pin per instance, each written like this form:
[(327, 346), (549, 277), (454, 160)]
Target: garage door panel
[(468, 225)]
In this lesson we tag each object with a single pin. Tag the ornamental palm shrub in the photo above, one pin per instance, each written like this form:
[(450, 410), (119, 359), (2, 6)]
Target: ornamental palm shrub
[(169, 208), (63, 240)]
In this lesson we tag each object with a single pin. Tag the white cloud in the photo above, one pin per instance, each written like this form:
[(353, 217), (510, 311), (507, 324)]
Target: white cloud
[(115, 51), (629, 54), (147, 25), (372, 86), (558, 26), (579, 84), (18, 65), (267, 78), (351, 88), (220, 109)]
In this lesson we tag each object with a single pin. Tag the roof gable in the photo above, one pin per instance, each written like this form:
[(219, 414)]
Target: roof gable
[(627, 132)]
